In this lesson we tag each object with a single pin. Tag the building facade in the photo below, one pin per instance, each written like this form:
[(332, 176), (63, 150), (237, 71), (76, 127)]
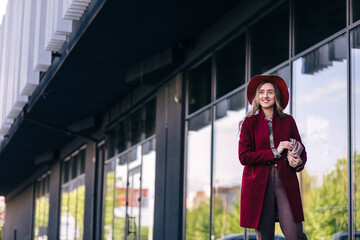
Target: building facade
[(120, 120)]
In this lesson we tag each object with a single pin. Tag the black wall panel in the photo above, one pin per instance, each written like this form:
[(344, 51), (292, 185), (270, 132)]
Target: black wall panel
[(19, 214), (89, 190), (169, 162)]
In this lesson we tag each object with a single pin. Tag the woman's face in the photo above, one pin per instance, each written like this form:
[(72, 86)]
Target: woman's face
[(267, 96)]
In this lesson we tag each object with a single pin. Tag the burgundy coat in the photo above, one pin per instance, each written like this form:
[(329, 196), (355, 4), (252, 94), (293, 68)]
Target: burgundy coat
[(254, 149)]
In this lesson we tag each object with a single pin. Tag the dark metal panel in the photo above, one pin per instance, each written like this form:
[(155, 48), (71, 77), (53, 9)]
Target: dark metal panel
[(90, 156), (175, 166), (160, 176), (54, 211), (19, 213), (169, 162), (98, 192)]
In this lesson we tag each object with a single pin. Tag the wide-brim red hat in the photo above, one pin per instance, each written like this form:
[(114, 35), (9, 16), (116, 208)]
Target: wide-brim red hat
[(278, 81)]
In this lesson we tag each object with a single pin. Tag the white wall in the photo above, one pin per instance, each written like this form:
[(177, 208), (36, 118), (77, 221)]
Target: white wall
[(31, 30)]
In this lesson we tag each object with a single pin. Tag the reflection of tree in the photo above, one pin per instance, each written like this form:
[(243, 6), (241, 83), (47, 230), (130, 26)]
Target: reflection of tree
[(226, 212), (41, 216), (226, 216), (357, 191), (109, 205), (72, 210), (325, 206), (197, 221)]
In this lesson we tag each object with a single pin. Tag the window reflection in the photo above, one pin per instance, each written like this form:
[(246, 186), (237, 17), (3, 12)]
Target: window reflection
[(73, 198), (285, 74), (320, 100), (109, 200), (198, 177), (150, 117), (227, 169), (317, 20), (148, 190), (199, 86), (130, 194), (356, 10), (120, 197), (41, 218), (129, 176), (133, 198), (270, 40), (230, 66), (355, 77), (135, 127)]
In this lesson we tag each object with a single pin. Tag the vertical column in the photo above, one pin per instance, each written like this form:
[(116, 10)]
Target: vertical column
[(54, 211), (169, 162), (89, 190)]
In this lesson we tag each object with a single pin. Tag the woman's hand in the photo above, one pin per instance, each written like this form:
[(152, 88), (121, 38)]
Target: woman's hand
[(294, 160), (284, 145)]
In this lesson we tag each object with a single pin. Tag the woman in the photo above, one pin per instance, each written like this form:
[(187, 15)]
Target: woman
[(270, 186)]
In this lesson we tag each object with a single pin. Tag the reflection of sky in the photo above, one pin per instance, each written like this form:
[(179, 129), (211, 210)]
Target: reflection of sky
[(228, 170), (355, 56), (136, 162), (121, 175), (148, 182), (320, 110), (198, 160)]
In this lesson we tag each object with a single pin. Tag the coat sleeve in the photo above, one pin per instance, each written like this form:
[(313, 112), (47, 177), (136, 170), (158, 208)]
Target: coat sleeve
[(296, 135), (247, 154)]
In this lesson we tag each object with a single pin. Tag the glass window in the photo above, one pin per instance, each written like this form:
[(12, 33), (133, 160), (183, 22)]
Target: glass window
[(135, 127), (119, 208), (132, 129), (74, 167), (66, 172), (285, 74), (82, 161), (270, 40), (128, 201), (123, 135), (80, 207), (320, 109), (227, 171), (199, 85), (110, 144), (148, 190), (355, 77), (317, 20), (42, 206), (109, 200), (133, 197), (73, 198), (356, 10), (198, 177), (230, 66), (150, 116), (130, 193)]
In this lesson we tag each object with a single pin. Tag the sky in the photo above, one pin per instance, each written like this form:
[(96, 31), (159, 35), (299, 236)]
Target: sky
[(2, 9)]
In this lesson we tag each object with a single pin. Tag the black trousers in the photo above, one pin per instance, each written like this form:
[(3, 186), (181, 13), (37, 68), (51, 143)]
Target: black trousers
[(276, 199)]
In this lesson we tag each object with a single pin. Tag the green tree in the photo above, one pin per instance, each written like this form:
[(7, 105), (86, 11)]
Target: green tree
[(325, 206), (197, 222), (226, 219), (357, 190)]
